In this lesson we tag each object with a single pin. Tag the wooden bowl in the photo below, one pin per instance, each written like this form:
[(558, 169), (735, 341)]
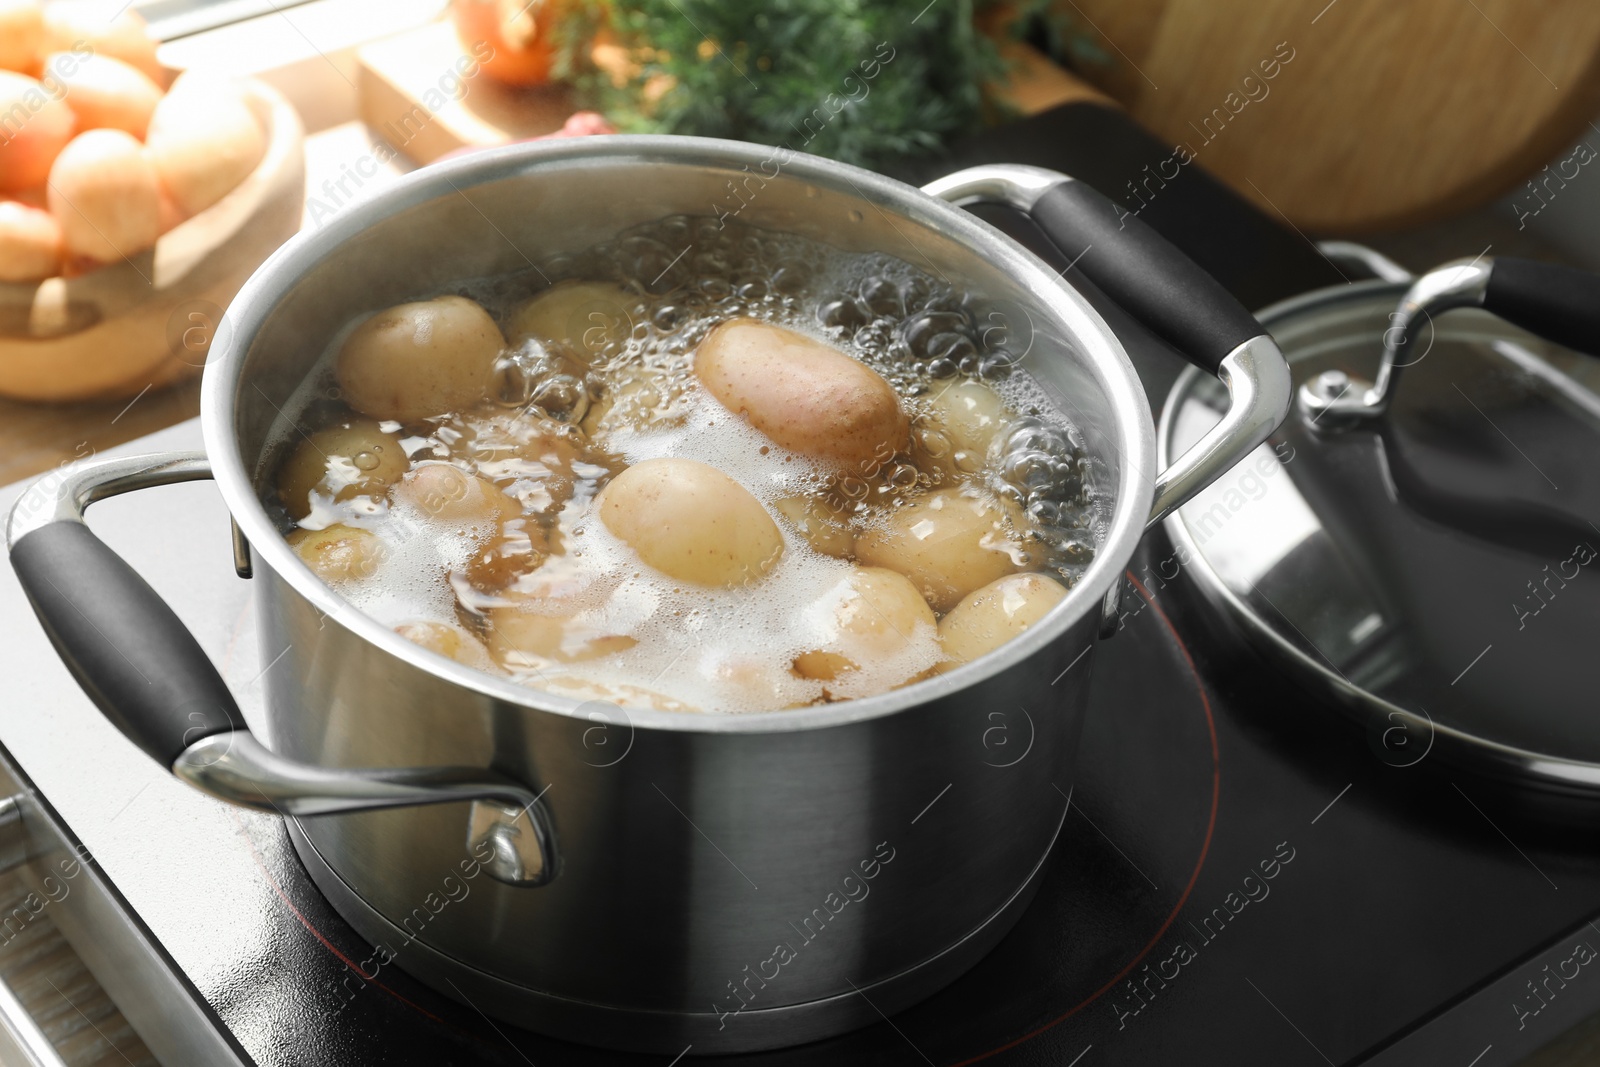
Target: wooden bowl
[(147, 321)]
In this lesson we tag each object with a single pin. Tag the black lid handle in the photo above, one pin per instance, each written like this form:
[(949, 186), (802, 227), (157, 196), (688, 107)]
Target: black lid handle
[(1560, 304)]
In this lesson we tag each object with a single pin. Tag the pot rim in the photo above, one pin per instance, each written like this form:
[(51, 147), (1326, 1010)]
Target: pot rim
[(1101, 352)]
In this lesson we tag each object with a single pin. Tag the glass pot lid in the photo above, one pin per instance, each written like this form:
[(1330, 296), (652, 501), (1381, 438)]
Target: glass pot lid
[(1431, 560)]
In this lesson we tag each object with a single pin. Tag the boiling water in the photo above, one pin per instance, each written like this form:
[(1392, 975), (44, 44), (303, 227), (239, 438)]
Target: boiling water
[(561, 423)]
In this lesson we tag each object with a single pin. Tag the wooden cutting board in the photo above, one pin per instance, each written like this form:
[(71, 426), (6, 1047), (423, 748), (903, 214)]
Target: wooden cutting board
[(1387, 114)]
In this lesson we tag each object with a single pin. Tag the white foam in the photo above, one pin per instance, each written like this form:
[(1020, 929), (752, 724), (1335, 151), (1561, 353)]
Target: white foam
[(411, 581)]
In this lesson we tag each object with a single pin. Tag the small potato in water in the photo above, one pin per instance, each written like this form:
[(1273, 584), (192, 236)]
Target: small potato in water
[(520, 548), (339, 553), (645, 398), (949, 542), (823, 527), (592, 319), (449, 641), (746, 681), (970, 413), (692, 522), (340, 463), (993, 615), (530, 638), (449, 494), (807, 396), (879, 616), (413, 361)]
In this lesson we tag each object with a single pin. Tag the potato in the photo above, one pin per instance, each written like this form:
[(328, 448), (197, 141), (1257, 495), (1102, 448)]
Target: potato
[(414, 361), (534, 459), (948, 542), (21, 35), (750, 683), (355, 458), (445, 492), (988, 618), (104, 194), (521, 547), (971, 415), (643, 399), (339, 553), (203, 142), (804, 395), (878, 615), (691, 522), (30, 243), (592, 319), (529, 637), (107, 27), (822, 526), (449, 641), (34, 128), (106, 93)]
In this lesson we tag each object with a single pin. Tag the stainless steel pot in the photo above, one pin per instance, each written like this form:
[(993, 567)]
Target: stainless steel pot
[(645, 880)]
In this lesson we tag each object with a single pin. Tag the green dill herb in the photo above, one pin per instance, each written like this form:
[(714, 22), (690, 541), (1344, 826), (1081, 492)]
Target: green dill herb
[(862, 81)]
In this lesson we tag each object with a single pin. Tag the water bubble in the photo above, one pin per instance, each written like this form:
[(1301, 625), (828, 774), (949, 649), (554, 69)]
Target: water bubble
[(883, 297), (968, 461), (674, 229), (934, 443), (1045, 512), (902, 476), (512, 385), (790, 281), (997, 365), (920, 333), (951, 347), (843, 314), (562, 397)]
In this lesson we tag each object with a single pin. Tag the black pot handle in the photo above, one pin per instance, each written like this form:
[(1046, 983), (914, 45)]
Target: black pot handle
[(145, 671), (123, 644), (1145, 274), (1167, 292)]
